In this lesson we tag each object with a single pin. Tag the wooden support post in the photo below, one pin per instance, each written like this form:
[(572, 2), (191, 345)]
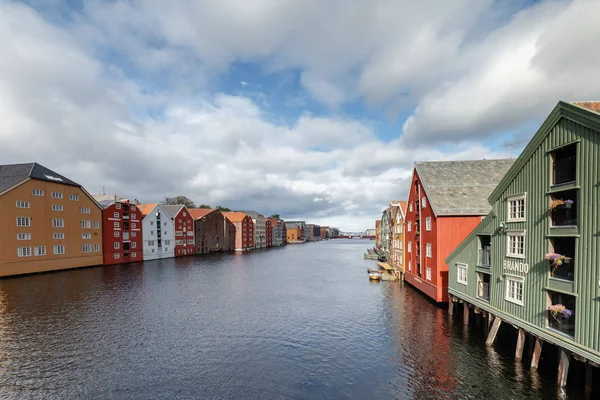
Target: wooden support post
[(465, 314), (520, 345), (450, 306), (537, 352), (563, 368), (493, 332), (490, 319), (588, 381)]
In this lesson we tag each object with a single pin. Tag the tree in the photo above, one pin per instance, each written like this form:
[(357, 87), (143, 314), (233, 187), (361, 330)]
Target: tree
[(221, 208), (179, 200), (204, 206), (275, 216)]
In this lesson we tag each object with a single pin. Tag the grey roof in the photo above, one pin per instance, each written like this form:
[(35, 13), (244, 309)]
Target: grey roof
[(293, 224), (461, 187), (171, 210), (106, 200), (253, 214), (11, 174)]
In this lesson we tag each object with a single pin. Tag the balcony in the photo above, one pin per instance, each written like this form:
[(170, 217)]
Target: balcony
[(563, 208), (485, 256), (562, 258)]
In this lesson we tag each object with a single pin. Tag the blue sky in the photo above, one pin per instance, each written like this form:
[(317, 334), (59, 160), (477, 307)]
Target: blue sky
[(313, 110)]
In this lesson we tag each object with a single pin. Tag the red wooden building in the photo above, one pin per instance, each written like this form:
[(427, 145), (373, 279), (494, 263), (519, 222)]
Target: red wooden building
[(184, 229), (269, 233), (244, 230), (121, 230), (446, 201)]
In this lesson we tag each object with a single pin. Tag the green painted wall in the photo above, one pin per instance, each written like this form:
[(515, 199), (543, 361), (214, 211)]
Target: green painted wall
[(533, 177)]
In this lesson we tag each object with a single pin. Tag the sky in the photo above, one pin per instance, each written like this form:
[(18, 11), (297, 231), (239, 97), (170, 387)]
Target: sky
[(315, 110)]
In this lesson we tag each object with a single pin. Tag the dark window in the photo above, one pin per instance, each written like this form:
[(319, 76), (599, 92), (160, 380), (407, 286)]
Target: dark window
[(563, 208), (564, 164), (562, 318), (562, 258), (485, 250)]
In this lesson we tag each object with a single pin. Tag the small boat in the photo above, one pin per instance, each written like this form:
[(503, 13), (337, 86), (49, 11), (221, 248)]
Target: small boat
[(374, 276)]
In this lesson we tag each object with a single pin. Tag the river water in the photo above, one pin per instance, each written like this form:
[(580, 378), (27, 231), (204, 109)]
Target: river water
[(297, 322)]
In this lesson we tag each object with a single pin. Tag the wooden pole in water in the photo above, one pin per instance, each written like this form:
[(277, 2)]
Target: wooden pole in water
[(450, 306), (490, 319), (537, 352), (563, 368), (520, 345), (465, 314), (588, 381), (493, 332)]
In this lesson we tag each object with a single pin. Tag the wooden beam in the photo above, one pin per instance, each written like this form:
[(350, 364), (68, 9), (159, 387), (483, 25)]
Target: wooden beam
[(520, 345), (537, 352), (490, 319), (465, 314), (588, 381), (493, 332), (563, 368), (450, 307)]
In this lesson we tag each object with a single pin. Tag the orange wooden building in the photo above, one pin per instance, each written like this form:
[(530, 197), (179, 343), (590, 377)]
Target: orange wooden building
[(48, 222), (446, 201)]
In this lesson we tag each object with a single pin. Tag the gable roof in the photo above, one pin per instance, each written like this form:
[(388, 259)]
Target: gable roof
[(461, 187), (198, 213), (12, 174), (589, 105), (575, 112), (253, 214), (478, 229), (235, 216), (106, 200), (172, 209), (145, 209)]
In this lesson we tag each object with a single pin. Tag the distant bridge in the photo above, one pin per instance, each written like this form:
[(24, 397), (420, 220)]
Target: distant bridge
[(353, 236)]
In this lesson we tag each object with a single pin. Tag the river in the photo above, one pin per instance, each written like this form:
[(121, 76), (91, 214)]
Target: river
[(298, 322)]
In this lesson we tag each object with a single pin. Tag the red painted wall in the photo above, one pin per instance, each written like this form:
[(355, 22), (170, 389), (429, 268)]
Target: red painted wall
[(269, 233), (129, 227), (184, 223)]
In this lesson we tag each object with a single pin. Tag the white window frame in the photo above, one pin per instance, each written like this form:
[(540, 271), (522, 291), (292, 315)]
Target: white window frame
[(86, 236), (58, 235), (150, 242), (85, 210), (115, 224), (117, 256), (22, 204), (58, 223), (85, 224), (116, 214), (133, 234), (74, 197), (429, 250), (39, 251), (58, 249), (133, 245), (517, 197), (428, 274), (462, 268), (409, 265), (118, 206), (134, 254), (515, 233), (428, 223), (57, 195), (37, 192), (26, 221), (24, 251), (117, 245), (409, 247), (424, 202), (410, 206), (24, 236), (96, 247), (409, 226), (518, 279), (57, 207), (117, 233), (96, 224), (132, 208), (86, 248)]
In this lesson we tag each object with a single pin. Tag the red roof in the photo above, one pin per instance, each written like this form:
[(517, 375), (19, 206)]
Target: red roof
[(146, 208), (198, 213), (235, 216)]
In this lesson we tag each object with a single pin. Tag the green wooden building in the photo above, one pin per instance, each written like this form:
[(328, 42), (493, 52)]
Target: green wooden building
[(534, 261)]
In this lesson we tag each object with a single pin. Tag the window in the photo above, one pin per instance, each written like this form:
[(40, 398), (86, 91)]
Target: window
[(168, 242), (483, 286), (178, 233), (23, 221), (133, 216), (409, 227), (117, 234), (514, 289), (85, 210), (86, 236), (563, 208), (428, 223), (134, 254), (166, 249), (133, 207), (117, 256), (461, 273), (516, 208), (164, 224), (96, 224), (485, 250), (409, 265), (57, 207), (57, 195), (133, 225), (118, 206), (428, 273), (410, 207), (410, 247), (133, 245), (179, 220), (150, 242), (424, 202), (57, 235), (516, 244), (116, 214), (37, 192), (561, 313), (133, 234), (85, 224), (151, 222), (151, 233), (59, 249), (564, 164), (178, 242), (184, 214), (74, 197), (22, 204), (165, 233), (116, 225), (117, 245), (428, 251), (58, 223), (190, 241), (86, 248), (23, 236), (24, 251), (96, 247), (39, 251)]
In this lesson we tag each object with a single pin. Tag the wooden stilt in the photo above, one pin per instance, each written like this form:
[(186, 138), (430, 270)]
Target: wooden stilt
[(537, 352), (490, 319), (465, 314), (450, 306), (520, 345), (493, 332), (563, 368), (588, 381)]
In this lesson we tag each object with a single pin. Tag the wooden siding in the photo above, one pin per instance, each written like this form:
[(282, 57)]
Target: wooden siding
[(534, 179), (117, 256), (41, 229), (184, 223)]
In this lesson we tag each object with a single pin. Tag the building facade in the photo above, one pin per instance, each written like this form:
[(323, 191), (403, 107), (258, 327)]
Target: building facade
[(244, 230), (385, 228), (324, 232), (185, 243), (212, 234), (446, 201), (276, 229), (121, 229), (158, 232), (533, 262), (284, 239), (260, 229), (378, 233), (301, 235), (269, 233), (397, 217), (48, 222)]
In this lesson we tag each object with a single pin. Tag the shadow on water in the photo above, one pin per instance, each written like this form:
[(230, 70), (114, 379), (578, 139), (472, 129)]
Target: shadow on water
[(302, 321)]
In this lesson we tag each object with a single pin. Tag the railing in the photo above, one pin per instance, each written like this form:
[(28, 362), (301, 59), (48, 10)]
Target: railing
[(485, 256), (564, 170)]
